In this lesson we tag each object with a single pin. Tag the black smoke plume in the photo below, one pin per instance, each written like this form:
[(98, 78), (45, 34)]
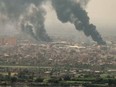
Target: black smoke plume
[(73, 11), (29, 14)]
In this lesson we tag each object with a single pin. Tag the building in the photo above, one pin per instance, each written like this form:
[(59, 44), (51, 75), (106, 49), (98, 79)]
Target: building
[(8, 41)]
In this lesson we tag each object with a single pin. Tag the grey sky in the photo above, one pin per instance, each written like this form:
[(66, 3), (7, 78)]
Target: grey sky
[(102, 13)]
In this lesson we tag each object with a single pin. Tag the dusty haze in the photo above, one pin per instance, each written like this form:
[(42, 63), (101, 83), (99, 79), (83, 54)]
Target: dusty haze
[(101, 12)]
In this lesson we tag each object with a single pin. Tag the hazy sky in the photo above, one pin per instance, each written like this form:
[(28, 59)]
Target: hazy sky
[(102, 13)]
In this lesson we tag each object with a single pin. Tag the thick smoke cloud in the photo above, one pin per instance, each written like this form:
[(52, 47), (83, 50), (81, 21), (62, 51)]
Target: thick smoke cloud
[(32, 22), (28, 14), (73, 11), (14, 8)]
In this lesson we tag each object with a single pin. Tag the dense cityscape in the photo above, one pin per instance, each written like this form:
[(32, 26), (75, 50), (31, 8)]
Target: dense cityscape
[(66, 63)]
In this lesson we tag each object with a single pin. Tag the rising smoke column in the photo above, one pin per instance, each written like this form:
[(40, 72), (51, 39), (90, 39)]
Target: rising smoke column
[(72, 11), (32, 23)]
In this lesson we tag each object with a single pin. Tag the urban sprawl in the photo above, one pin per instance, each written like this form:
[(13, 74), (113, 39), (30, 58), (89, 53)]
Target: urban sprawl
[(63, 63)]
